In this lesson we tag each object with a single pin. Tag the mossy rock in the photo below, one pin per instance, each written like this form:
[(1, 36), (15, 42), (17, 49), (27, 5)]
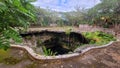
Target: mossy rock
[(4, 54)]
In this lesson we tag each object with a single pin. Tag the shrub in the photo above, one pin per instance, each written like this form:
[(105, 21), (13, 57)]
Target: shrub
[(99, 37)]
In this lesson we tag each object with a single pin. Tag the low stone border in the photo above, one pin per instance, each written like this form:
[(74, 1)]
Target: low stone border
[(43, 57)]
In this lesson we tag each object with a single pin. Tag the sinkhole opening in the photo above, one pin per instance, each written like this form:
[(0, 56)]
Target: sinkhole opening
[(53, 43)]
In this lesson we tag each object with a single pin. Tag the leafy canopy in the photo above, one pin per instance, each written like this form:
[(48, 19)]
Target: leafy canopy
[(14, 14), (107, 13)]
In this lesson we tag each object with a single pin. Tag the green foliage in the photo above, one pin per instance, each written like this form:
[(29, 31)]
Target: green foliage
[(48, 52), (68, 31), (14, 15), (45, 17), (99, 37), (109, 9), (105, 14), (74, 18)]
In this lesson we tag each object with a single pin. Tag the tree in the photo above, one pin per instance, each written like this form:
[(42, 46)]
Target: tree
[(75, 17), (105, 13), (47, 16), (14, 14)]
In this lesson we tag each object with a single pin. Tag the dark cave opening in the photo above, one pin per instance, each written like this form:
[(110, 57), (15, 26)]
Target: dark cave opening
[(56, 42)]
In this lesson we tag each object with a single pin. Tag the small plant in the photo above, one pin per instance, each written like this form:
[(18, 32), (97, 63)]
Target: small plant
[(48, 52), (28, 37), (39, 42), (67, 32)]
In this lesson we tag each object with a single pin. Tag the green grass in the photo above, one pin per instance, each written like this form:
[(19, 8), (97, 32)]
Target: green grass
[(48, 52)]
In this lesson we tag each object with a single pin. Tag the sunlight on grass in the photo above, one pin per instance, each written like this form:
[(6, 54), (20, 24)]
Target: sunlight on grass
[(4, 54)]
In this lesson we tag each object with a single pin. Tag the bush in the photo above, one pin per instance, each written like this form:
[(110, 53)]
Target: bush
[(99, 37), (14, 15)]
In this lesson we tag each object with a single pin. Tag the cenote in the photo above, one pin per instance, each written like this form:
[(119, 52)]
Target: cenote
[(53, 43)]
